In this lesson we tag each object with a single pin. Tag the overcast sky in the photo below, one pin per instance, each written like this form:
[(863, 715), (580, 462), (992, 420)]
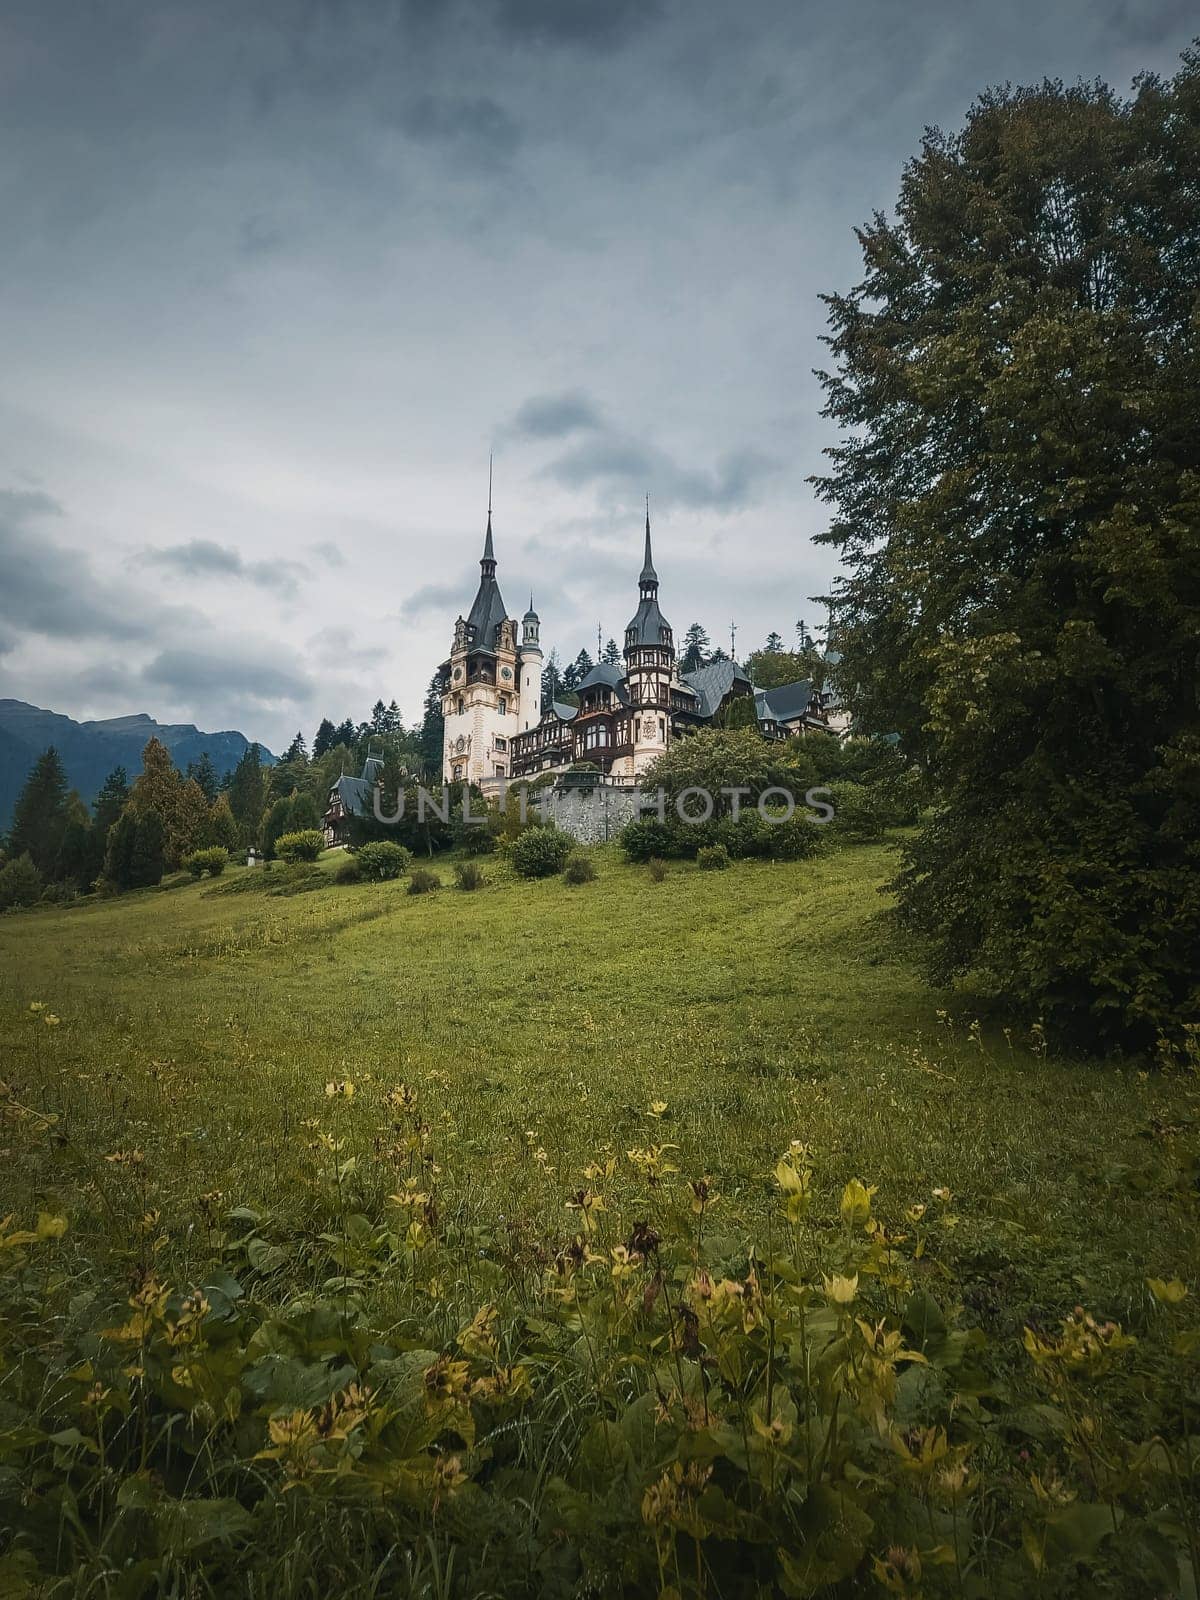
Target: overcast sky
[(275, 278)]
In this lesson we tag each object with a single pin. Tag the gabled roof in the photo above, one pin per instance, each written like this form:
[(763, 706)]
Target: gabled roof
[(713, 683), (785, 704), (609, 676), (355, 795)]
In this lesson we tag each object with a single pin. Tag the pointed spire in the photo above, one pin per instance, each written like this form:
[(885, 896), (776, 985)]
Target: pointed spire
[(489, 553), (648, 573)]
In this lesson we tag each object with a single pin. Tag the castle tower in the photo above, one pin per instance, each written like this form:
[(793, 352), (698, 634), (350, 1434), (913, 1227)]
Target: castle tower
[(481, 690), (649, 667), (531, 670)]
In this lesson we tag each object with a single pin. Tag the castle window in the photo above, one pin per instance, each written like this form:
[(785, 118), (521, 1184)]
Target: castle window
[(503, 705), (501, 744), (461, 705)]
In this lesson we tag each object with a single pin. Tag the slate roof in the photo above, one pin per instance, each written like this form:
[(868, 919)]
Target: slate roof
[(355, 795), (603, 673), (713, 683), (487, 609), (563, 711), (785, 704)]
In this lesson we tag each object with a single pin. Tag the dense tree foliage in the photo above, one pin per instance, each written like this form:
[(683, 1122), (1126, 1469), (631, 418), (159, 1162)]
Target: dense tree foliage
[(40, 818), (1017, 500)]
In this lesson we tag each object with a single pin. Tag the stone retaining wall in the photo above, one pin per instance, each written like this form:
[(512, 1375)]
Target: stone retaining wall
[(590, 816)]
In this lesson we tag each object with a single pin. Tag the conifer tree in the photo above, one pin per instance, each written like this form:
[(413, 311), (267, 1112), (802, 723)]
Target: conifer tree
[(40, 817), (118, 854), (324, 738), (221, 827), (696, 645), (147, 856), (205, 774), (246, 793), (432, 729)]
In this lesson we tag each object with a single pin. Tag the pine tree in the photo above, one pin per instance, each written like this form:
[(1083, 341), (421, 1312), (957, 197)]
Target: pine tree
[(110, 802), (40, 817), (552, 684), (118, 854), (346, 733), (324, 738), (574, 675), (221, 827), (205, 774), (612, 655), (432, 730), (774, 645), (378, 718), (296, 753), (246, 793), (147, 856), (696, 645), (77, 861), (393, 722)]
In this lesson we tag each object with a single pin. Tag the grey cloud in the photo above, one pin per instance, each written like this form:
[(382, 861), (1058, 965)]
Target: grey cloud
[(625, 468), (256, 676), (325, 550), (205, 558), (51, 590), (477, 129), (598, 23), (445, 599), (554, 416)]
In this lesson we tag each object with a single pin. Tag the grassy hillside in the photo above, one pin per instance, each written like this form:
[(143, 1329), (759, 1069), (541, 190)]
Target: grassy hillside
[(538, 1063)]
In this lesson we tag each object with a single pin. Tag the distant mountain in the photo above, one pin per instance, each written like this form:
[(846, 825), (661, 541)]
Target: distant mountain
[(90, 750)]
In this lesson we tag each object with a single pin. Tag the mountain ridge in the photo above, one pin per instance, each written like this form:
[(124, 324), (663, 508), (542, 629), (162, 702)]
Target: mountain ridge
[(91, 749)]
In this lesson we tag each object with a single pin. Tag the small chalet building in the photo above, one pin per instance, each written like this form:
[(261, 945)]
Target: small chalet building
[(352, 797)]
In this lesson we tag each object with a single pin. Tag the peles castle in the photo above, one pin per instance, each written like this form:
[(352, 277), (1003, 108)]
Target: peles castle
[(497, 729)]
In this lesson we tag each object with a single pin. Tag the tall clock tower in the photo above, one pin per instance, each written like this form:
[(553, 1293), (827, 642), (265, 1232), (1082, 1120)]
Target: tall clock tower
[(486, 683), (649, 668)]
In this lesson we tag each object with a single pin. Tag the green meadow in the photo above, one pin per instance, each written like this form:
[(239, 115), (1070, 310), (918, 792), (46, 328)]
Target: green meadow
[(570, 1184)]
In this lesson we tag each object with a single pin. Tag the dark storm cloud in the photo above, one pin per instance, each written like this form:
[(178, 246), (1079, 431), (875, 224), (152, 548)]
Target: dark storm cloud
[(265, 676), (554, 416), (51, 590), (204, 558)]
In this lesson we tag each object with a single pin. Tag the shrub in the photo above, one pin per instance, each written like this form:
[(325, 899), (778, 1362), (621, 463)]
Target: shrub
[(382, 860), (795, 839), (20, 882), (58, 894), (658, 869), (423, 881), (579, 869), (348, 871), (306, 845), (860, 814), (469, 875), (646, 838), (540, 852), (478, 838), (213, 860), (712, 858)]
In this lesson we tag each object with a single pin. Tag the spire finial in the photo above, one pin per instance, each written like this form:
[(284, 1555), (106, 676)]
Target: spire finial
[(648, 573), (489, 553)]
